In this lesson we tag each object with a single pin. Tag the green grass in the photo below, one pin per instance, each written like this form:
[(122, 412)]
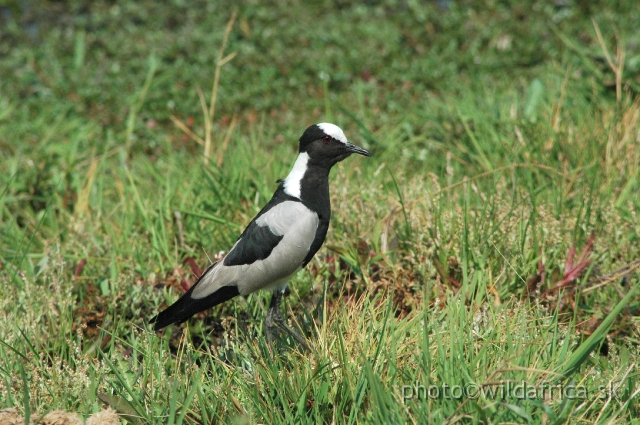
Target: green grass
[(502, 138)]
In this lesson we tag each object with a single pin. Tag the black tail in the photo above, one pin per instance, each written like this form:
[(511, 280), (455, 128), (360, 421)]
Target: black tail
[(186, 306)]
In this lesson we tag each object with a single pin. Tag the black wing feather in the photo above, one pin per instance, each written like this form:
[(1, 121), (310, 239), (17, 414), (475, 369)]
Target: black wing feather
[(186, 306), (256, 243)]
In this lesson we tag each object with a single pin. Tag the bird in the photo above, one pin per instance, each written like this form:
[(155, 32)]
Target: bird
[(279, 241)]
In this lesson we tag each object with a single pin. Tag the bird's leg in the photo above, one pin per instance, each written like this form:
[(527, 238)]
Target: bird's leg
[(274, 317), (274, 307)]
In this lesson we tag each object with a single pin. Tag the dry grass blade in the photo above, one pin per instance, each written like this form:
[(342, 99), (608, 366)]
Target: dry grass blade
[(225, 143), (208, 111), (618, 66), (214, 91), (182, 126), (208, 122), (82, 205), (616, 275)]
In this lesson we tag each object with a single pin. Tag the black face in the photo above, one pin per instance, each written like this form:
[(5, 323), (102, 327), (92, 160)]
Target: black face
[(324, 149)]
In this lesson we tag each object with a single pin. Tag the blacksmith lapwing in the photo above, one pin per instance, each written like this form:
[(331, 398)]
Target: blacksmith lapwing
[(280, 240)]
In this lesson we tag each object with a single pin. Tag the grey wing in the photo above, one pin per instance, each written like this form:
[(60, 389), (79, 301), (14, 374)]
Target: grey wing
[(295, 225)]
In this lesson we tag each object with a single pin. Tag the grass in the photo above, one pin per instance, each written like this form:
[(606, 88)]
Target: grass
[(491, 243)]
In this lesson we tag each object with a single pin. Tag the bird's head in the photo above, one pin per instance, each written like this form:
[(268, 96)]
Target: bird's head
[(326, 144)]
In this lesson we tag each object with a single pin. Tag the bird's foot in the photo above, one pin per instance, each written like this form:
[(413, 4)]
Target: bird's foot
[(274, 318)]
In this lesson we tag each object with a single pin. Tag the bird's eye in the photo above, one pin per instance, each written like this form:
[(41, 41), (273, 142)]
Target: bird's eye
[(326, 139)]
